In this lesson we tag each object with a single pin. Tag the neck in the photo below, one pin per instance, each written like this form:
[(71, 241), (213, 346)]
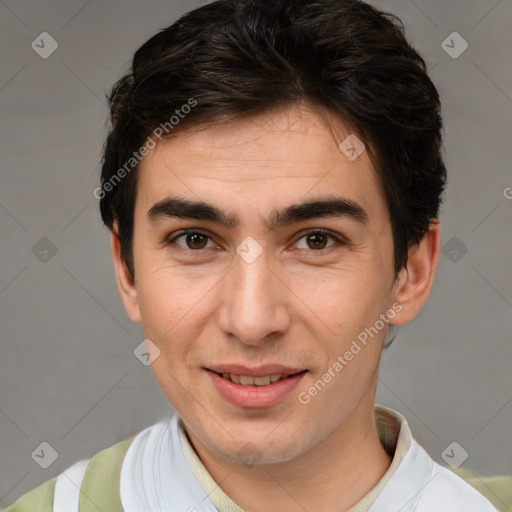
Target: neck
[(332, 477)]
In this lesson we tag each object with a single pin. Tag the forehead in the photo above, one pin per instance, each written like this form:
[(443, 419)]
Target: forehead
[(259, 161)]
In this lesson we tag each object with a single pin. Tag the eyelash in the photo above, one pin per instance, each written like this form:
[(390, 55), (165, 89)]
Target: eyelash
[(339, 241)]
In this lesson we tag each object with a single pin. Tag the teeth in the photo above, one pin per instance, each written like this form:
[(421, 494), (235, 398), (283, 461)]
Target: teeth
[(246, 380), (262, 381)]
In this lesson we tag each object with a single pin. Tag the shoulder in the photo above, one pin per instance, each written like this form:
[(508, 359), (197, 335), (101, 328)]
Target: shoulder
[(98, 478), (101, 481), (497, 489), (420, 484), (39, 499), (446, 491)]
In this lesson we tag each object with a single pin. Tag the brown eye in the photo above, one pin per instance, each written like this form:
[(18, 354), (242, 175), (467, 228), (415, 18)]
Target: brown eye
[(317, 240), (194, 240)]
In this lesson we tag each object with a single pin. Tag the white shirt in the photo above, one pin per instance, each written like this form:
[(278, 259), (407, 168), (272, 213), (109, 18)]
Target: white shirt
[(161, 472)]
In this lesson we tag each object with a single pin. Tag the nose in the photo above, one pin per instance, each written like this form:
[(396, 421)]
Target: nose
[(255, 302)]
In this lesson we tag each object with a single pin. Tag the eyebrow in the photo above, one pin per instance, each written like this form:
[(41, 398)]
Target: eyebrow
[(331, 206)]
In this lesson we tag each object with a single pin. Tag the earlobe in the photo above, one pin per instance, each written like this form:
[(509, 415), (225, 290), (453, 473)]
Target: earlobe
[(125, 283), (416, 278)]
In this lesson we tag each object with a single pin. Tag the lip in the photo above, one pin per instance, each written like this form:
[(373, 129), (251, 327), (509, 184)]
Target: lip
[(255, 397), (258, 371)]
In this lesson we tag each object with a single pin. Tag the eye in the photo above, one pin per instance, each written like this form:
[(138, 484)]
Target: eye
[(316, 240), (195, 240)]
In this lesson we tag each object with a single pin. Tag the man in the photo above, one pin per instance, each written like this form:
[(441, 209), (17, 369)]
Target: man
[(271, 182)]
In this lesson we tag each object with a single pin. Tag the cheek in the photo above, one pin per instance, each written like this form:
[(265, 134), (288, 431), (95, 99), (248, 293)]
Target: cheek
[(348, 300), (174, 304), (353, 344)]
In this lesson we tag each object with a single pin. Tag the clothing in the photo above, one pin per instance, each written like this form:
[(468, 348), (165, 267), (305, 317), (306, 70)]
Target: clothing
[(159, 470)]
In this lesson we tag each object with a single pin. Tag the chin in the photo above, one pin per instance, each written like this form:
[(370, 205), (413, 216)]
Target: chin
[(255, 448)]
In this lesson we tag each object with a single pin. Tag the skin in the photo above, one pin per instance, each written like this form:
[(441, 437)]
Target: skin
[(295, 305)]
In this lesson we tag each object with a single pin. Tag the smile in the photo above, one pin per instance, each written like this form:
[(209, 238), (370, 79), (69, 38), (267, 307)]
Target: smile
[(267, 389), (246, 380)]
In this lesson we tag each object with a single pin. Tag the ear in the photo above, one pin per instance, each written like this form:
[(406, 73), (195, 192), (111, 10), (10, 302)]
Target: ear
[(125, 283), (416, 278)]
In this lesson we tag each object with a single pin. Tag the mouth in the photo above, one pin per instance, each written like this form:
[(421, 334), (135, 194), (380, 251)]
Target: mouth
[(255, 388), (247, 380)]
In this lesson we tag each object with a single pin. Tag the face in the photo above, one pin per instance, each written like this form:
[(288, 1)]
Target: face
[(262, 291)]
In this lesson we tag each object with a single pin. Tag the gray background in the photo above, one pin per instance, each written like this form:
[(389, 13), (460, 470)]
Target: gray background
[(68, 375)]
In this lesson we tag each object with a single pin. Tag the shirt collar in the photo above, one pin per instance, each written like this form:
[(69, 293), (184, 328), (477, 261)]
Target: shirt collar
[(394, 434)]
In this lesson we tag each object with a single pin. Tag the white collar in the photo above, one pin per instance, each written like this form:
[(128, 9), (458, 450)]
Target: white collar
[(162, 473)]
